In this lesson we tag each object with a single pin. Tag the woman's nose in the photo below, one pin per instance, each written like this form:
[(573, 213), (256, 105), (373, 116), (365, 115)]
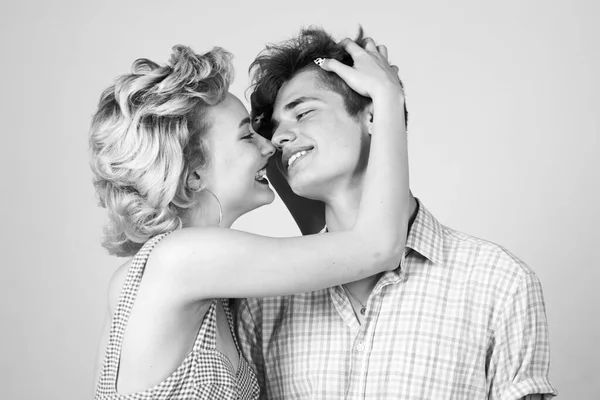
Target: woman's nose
[(267, 148)]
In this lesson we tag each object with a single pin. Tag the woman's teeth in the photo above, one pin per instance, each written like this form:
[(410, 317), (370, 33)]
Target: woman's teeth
[(261, 175), (295, 157)]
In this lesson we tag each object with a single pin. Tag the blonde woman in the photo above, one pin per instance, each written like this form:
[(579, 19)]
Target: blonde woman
[(176, 162)]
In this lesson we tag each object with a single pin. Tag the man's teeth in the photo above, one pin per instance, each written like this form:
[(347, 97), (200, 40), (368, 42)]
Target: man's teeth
[(295, 157), (262, 174)]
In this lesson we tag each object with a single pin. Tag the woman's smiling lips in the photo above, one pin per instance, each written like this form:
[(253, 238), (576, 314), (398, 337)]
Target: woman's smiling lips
[(261, 175)]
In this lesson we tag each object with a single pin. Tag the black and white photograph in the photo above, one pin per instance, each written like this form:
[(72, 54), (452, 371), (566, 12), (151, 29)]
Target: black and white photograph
[(267, 200)]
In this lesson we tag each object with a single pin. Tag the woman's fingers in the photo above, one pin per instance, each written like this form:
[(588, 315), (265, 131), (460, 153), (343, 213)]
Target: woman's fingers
[(370, 72), (333, 65), (383, 51), (370, 45), (349, 74), (351, 48)]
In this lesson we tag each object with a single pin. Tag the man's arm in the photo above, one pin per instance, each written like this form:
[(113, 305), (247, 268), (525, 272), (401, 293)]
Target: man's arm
[(520, 359)]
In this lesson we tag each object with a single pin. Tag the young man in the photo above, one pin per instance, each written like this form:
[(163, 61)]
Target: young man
[(461, 318)]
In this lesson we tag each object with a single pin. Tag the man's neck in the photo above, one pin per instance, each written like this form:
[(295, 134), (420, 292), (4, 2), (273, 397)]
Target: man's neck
[(340, 214), (341, 209)]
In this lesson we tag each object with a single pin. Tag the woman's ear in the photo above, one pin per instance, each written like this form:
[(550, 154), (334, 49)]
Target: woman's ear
[(193, 181)]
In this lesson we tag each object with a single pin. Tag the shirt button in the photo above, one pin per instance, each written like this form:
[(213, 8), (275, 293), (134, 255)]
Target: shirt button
[(360, 347)]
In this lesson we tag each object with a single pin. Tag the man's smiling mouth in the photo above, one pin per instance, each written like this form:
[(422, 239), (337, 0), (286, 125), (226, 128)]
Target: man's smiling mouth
[(291, 158), (296, 156)]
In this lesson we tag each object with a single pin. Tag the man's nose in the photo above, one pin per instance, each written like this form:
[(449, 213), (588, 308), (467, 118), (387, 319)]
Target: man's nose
[(281, 137)]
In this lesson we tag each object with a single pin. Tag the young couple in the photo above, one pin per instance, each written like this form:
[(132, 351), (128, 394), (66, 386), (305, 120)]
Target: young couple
[(384, 303)]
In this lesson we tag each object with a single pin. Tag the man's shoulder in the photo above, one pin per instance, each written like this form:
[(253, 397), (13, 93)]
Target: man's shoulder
[(491, 274), (444, 245), (472, 252)]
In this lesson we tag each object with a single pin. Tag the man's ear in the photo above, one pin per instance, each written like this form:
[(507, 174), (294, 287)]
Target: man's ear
[(194, 181), (366, 117)]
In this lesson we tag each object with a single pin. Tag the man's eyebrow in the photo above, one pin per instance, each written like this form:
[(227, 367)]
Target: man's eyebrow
[(293, 104), (244, 122), (290, 106)]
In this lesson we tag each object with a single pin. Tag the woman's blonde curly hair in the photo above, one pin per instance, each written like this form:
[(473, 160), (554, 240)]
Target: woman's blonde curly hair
[(146, 135)]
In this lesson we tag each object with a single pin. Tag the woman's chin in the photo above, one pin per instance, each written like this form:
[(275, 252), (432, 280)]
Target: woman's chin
[(267, 197), (262, 199)]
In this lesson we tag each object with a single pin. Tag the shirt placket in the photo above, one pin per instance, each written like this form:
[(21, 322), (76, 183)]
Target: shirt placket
[(357, 334), (363, 343), (361, 351)]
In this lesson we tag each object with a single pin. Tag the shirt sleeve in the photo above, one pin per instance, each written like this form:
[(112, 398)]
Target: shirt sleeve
[(249, 333), (520, 357)]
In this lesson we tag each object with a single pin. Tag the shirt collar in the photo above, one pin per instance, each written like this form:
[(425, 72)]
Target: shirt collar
[(426, 236)]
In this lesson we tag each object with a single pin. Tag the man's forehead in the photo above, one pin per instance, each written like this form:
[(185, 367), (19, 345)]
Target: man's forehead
[(304, 84)]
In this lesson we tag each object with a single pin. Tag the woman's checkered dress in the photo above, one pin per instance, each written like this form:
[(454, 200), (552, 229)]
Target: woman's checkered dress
[(204, 374)]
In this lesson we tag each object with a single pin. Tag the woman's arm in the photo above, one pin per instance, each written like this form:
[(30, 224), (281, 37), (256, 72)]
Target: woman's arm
[(388, 159), (211, 262)]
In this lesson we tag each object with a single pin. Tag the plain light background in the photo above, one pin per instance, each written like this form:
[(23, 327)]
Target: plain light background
[(503, 144)]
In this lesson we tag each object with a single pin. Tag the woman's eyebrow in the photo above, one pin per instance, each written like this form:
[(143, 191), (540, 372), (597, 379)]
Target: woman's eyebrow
[(244, 122)]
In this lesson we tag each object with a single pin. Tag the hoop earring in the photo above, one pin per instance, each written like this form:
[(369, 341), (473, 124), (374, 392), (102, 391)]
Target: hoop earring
[(218, 202), (220, 207)]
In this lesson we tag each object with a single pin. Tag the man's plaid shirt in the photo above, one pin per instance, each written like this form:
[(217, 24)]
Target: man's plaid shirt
[(461, 319)]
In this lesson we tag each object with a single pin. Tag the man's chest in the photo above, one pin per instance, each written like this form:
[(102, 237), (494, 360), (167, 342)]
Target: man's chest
[(411, 345)]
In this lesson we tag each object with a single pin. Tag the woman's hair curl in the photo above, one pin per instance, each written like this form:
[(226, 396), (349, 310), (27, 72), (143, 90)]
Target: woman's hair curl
[(146, 135)]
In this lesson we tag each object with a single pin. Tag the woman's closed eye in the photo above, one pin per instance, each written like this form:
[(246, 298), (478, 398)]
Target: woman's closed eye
[(249, 136)]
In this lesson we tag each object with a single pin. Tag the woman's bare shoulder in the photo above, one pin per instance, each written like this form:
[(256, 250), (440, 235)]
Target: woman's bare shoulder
[(116, 284), (191, 244), (162, 263)]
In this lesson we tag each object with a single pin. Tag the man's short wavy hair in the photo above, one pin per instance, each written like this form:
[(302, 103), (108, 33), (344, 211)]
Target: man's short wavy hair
[(281, 62), (147, 133)]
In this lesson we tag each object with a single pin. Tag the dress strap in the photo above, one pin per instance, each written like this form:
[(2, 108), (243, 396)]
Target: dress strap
[(207, 334), (229, 315), (124, 307)]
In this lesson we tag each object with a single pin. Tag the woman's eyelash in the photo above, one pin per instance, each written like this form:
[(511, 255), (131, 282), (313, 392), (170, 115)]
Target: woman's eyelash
[(251, 134)]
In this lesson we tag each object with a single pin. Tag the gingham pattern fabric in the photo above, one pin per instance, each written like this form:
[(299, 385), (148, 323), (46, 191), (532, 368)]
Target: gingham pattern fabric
[(462, 319), (205, 373)]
